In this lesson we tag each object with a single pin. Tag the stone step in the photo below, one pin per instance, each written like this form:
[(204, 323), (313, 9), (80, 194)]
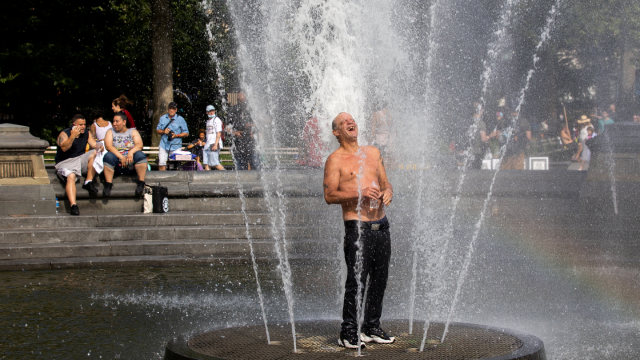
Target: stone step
[(129, 261), (158, 220), (200, 248), (102, 262), (151, 233), (196, 204), (204, 183)]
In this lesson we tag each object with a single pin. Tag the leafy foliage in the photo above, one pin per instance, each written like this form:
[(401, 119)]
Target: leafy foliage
[(586, 48), (59, 58)]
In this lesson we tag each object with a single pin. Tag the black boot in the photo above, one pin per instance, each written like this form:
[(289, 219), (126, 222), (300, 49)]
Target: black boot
[(107, 189), (140, 188)]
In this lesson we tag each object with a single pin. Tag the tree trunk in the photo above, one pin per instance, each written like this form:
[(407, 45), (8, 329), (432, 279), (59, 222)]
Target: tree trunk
[(626, 89), (162, 59), (627, 84)]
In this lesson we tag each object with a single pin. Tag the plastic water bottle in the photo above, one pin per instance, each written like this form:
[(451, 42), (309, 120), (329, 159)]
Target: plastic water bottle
[(374, 203), (57, 206)]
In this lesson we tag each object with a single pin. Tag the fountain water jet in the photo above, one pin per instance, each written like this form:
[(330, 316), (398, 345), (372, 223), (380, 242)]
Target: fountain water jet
[(265, 111), (278, 231), (250, 242), (544, 37), (265, 73), (359, 260), (241, 195), (431, 43), (495, 48)]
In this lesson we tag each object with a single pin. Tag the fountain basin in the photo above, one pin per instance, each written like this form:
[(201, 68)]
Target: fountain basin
[(318, 339)]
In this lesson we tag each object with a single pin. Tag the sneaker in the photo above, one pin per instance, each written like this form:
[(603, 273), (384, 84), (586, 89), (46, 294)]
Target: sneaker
[(140, 188), (107, 189), (74, 210), (376, 335), (90, 188), (349, 340)]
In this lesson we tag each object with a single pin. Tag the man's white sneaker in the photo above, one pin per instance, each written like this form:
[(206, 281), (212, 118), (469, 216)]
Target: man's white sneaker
[(377, 335), (364, 338), (349, 340)]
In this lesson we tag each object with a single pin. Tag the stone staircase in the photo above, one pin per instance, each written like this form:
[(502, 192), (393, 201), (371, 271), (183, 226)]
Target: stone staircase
[(188, 190), (175, 238), (205, 222)]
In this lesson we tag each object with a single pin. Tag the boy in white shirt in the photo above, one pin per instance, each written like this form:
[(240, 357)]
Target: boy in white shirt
[(211, 153)]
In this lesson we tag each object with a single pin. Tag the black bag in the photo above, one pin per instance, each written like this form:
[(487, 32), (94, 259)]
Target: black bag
[(160, 199)]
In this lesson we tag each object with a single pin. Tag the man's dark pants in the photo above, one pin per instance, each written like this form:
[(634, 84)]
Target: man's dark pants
[(241, 155), (376, 253)]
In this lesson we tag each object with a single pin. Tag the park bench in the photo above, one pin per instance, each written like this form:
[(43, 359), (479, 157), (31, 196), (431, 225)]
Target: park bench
[(286, 155), (150, 151)]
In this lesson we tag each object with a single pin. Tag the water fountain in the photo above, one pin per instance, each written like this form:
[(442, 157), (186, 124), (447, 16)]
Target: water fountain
[(550, 257), (302, 68)]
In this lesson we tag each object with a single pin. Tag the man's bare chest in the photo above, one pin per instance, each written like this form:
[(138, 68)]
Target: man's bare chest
[(351, 173)]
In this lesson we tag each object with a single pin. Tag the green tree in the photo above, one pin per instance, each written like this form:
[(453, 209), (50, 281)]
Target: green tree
[(48, 58), (589, 60), (599, 41), (59, 58)]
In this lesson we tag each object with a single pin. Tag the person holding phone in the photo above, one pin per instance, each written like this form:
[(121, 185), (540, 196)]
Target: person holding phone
[(72, 160)]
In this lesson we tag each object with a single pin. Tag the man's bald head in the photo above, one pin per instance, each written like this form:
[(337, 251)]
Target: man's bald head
[(335, 124), (345, 128)]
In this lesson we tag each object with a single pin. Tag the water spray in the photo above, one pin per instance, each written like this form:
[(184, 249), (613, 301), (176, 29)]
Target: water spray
[(359, 258), (495, 47), (544, 37), (250, 242)]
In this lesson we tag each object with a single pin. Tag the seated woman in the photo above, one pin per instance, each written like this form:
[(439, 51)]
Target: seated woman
[(98, 130), (100, 126), (125, 155)]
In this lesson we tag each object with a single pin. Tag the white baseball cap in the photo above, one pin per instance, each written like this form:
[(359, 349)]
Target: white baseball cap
[(210, 107)]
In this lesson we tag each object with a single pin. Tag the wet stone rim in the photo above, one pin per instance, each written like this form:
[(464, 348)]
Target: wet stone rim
[(318, 340)]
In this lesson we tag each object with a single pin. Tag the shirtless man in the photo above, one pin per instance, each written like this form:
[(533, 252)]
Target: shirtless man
[(341, 187)]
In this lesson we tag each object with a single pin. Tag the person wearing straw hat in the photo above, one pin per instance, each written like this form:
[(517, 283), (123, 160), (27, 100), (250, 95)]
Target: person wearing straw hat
[(585, 156), (584, 122)]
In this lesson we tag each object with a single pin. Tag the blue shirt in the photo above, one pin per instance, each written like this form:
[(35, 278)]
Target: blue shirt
[(603, 123), (178, 126)]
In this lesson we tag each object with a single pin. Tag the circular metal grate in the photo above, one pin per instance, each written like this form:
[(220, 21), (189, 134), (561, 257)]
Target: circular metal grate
[(319, 340)]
